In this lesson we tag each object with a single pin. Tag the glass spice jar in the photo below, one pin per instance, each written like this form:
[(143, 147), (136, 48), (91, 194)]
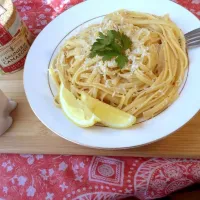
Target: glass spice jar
[(15, 39)]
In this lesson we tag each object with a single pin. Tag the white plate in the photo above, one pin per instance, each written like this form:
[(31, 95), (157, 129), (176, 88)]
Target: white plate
[(40, 97)]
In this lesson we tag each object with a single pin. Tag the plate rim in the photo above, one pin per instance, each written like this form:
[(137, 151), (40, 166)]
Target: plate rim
[(96, 147)]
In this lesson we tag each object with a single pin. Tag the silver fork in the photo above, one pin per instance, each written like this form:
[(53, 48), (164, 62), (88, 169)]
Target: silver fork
[(193, 38)]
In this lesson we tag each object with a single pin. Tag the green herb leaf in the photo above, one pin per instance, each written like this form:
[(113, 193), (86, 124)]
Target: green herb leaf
[(112, 45), (110, 37), (116, 34), (126, 42), (108, 55), (105, 39), (97, 46), (116, 47), (101, 35), (121, 61), (92, 54)]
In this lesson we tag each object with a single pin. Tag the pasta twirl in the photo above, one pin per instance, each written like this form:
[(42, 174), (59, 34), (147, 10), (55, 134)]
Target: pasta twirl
[(151, 79)]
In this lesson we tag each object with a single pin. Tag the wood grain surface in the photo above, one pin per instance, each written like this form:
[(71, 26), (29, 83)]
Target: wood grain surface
[(29, 135)]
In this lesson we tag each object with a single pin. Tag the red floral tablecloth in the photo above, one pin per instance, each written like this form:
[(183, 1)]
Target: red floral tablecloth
[(46, 177)]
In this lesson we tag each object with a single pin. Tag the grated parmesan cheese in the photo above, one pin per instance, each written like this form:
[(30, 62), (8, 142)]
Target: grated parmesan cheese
[(113, 94), (161, 92)]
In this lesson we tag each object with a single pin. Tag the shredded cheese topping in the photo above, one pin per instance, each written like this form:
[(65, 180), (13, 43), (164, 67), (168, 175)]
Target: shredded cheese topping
[(148, 83)]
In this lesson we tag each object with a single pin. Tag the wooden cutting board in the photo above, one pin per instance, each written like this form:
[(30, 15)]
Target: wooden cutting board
[(29, 135)]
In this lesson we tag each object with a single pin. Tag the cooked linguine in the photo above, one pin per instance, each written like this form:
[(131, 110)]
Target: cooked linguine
[(150, 80)]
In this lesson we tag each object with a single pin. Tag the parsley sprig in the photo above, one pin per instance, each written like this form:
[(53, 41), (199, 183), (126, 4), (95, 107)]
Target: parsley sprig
[(112, 45)]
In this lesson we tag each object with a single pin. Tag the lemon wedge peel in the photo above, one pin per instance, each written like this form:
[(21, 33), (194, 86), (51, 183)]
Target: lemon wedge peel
[(109, 116), (75, 109)]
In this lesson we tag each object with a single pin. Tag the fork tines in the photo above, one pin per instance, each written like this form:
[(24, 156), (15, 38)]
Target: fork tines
[(193, 38)]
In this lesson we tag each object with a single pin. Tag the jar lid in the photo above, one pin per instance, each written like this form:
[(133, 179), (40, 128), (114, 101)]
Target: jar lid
[(7, 13)]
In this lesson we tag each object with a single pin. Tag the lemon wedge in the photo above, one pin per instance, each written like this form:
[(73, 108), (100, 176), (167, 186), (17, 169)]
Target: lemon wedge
[(75, 110), (109, 116)]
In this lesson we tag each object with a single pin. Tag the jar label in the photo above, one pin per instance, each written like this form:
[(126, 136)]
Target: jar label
[(12, 53)]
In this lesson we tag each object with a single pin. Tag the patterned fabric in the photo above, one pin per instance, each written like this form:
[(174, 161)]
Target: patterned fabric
[(38, 13), (65, 177), (48, 177)]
